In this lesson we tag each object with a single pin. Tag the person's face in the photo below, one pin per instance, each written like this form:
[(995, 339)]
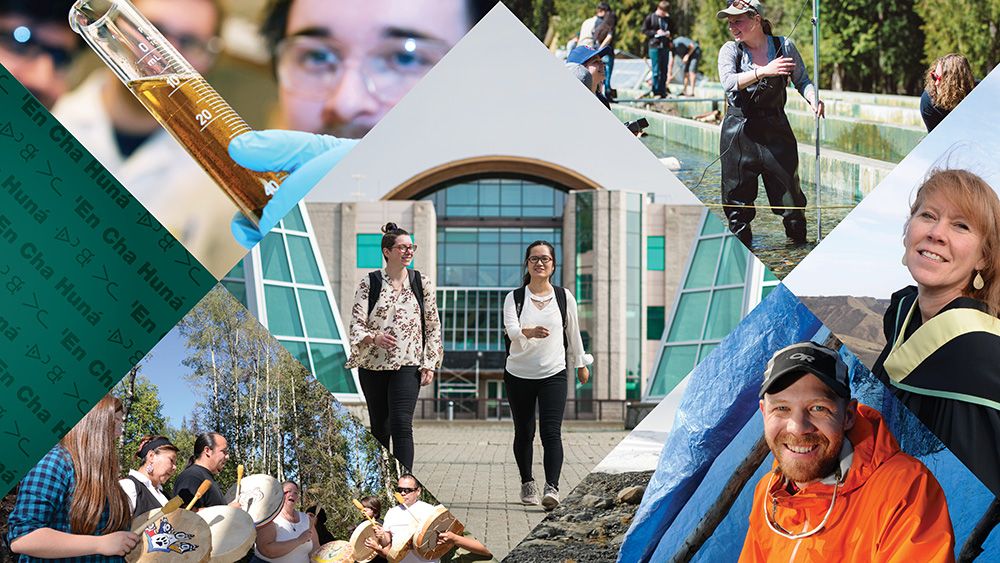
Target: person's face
[(369, 512), (218, 455), (740, 26), (38, 55), (189, 25), (601, 13), (407, 487), (541, 263), (943, 249), (596, 68), (163, 465), (804, 425), (402, 251), (345, 64), (291, 494)]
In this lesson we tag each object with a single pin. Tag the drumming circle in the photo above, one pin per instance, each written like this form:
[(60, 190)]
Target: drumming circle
[(363, 553), (260, 496), (233, 532), (178, 537), (425, 542), (334, 552)]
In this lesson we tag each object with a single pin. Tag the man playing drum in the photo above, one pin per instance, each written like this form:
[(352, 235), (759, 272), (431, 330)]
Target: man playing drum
[(403, 521)]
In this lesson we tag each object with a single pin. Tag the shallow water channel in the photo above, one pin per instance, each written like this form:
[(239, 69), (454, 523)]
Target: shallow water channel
[(769, 241)]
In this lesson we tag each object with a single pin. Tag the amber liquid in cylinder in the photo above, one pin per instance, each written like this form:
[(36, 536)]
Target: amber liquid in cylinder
[(203, 123)]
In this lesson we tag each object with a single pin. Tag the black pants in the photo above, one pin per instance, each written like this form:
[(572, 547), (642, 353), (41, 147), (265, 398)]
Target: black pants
[(392, 397), (761, 147), (550, 396)]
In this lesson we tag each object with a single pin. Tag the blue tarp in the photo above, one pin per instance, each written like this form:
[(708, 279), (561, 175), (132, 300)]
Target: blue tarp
[(718, 422)]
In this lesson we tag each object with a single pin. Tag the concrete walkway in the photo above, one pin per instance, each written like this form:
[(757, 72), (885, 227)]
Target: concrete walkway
[(470, 468)]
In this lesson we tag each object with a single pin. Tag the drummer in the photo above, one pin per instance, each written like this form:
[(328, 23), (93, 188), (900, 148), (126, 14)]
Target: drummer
[(157, 463), (69, 506), (402, 520), (291, 536), (211, 450), (380, 543)]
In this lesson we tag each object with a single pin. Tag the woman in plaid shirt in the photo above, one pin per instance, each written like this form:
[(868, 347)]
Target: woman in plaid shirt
[(70, 506)]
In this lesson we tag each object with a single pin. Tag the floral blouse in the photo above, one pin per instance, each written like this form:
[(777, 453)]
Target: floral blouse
[(396, 313)]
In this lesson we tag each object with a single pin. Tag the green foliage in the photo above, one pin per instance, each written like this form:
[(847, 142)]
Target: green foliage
[(278, 419), (962, 26), (881, 46), (145, 414)]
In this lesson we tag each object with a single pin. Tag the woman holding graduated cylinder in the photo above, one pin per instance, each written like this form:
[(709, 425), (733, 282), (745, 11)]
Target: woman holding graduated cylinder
[(543, 329)]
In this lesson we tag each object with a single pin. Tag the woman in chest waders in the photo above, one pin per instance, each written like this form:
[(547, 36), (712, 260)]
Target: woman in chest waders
[(757, 140)]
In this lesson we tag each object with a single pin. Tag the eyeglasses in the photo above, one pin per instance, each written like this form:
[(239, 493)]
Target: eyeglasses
[(21, 42), (406, 248), (540, 259), (315, 66), (192, 46), (405, 490)]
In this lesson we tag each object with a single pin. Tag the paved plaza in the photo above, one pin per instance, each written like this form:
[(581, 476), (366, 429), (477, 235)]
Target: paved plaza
[(469, 467)]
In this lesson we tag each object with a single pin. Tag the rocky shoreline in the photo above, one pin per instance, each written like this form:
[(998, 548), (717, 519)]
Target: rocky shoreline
[(589, 525)]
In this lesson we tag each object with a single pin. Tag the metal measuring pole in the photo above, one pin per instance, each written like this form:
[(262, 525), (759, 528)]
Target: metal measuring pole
[(815, 22)]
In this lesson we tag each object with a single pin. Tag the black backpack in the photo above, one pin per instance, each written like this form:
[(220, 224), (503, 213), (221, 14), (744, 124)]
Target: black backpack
[(560, 294), (416, 286)]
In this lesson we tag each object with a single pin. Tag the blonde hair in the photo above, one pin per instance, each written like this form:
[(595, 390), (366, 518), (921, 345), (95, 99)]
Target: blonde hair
[(955, 83), (93, 446), (979, 203)]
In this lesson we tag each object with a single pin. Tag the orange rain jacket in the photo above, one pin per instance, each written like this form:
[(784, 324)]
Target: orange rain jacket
[(890, 508)]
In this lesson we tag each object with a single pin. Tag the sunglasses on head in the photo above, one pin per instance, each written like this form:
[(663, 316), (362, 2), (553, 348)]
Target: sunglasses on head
[(405, 490), (742, 5)]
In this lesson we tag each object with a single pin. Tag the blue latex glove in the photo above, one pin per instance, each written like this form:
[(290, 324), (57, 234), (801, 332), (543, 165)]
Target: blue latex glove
[(305, 156)]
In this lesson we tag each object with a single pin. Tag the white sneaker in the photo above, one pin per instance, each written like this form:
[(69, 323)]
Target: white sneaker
[(551, 498), (529, 493)]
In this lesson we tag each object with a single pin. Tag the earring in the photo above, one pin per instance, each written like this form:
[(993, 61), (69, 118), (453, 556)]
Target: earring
[(978, 282), (149, 468)]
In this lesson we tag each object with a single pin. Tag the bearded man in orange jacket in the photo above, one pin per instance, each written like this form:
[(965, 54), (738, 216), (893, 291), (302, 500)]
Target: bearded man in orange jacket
[(841, 489)]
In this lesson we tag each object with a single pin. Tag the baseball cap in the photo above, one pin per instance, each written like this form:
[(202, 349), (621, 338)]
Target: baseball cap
[(582, 54), (808, 357), (737, 7)]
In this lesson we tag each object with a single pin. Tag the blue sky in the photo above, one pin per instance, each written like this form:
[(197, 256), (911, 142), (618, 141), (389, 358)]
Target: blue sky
[(165, 370)]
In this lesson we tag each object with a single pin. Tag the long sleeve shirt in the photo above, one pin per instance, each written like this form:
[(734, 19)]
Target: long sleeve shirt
[(538, 358), (734, 60), (396, 313), (651, 25)]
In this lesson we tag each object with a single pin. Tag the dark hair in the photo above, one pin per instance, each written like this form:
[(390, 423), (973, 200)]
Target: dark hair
[(204, 440), (52, 11), (274, 26), (153, 443), (390, 232), (765, 26), (527, 254), (373, 503), (604, 6), (410, 476)]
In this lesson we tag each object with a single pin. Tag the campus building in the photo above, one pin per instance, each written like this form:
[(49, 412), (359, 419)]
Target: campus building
[(658, 285)]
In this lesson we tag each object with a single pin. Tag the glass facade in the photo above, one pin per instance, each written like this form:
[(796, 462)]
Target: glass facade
[(633, 295), (293, 301), (723, 281), (584, 230), (656, 258), (489, 257), (484, 225), (369, 249)]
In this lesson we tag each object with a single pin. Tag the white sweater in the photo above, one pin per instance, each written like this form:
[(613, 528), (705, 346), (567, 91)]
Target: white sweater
[(538, 358)]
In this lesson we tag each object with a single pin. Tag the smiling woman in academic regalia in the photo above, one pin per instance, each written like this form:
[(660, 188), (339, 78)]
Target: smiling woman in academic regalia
[(942, 357)]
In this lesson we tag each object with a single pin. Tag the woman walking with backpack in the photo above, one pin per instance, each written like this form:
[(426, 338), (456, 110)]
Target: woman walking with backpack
[(541, 324), (395, 342)]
